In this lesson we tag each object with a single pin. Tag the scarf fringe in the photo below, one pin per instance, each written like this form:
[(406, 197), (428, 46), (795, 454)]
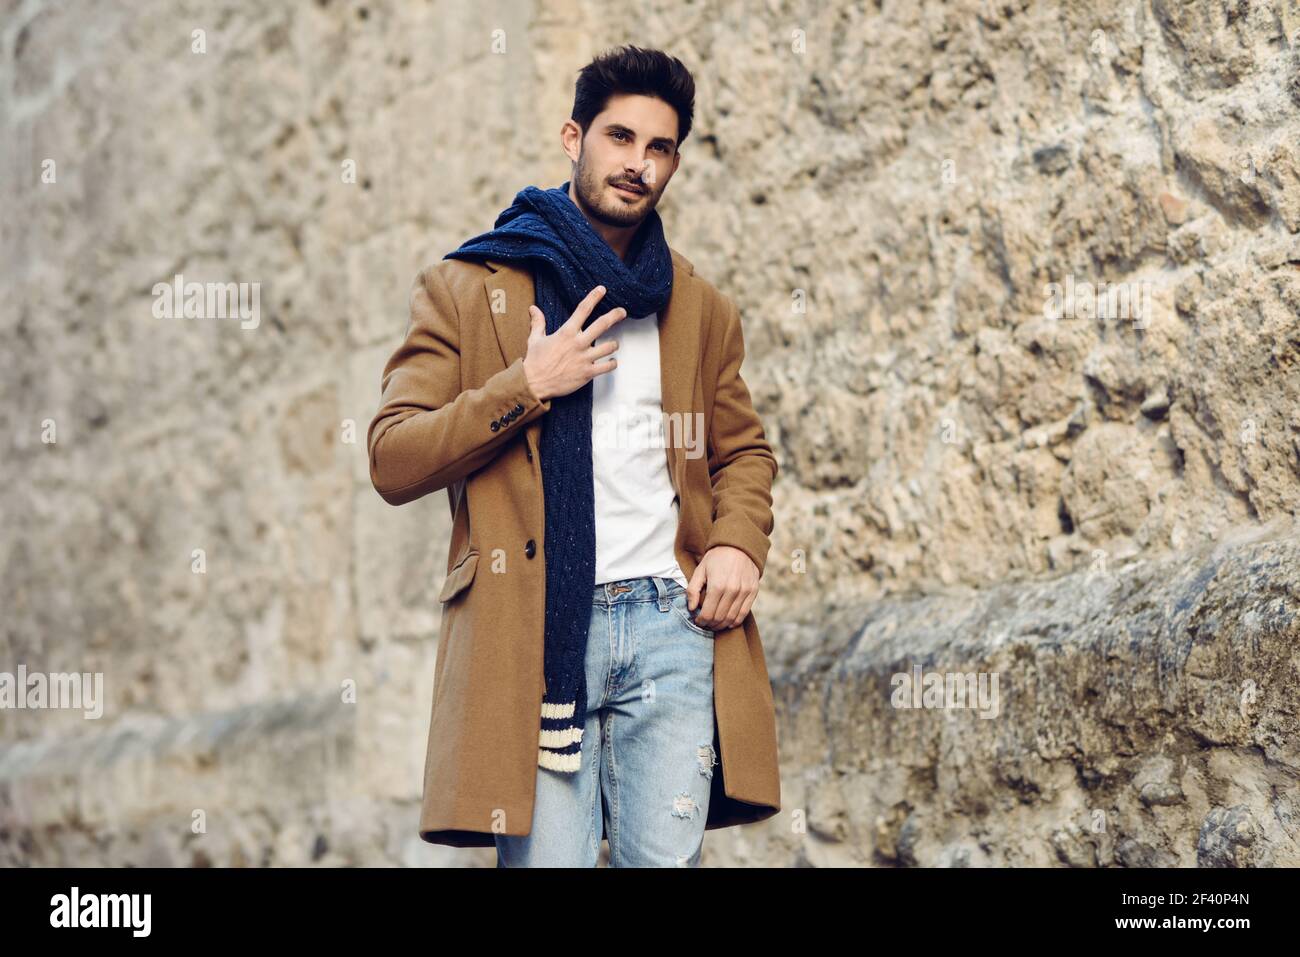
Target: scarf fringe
[(559, 762), (560, 738)]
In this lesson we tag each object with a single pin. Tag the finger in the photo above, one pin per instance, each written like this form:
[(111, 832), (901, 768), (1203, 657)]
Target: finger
[(536, 324), (693, 587), (734, 614), (706, 598), (575, 322), (600, 350), (709, 608), (601, 325), (745, 608), (716, 600), (600, 368)]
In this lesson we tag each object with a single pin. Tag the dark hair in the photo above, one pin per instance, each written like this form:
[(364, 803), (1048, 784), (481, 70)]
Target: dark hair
[(634, 70)]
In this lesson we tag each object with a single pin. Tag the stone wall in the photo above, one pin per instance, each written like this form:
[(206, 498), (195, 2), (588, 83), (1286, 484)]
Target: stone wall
[(1099, 510)]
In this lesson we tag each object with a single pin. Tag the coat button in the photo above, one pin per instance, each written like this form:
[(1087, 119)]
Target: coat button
[(494, 425), (518, 408), (530, 549), (528, 451)]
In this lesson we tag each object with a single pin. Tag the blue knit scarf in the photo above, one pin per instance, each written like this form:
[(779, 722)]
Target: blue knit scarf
[(544, 229)]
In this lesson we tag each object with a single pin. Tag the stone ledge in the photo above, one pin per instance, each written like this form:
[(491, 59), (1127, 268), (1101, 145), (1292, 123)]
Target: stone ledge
[(1146, 717), (142, 768)]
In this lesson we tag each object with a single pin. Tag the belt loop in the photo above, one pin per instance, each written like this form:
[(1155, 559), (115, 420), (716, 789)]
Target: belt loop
[(664, 602)]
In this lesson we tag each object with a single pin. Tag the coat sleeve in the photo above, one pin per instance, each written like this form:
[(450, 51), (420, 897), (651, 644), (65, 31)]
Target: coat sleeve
[(742, 465), (428, 433)]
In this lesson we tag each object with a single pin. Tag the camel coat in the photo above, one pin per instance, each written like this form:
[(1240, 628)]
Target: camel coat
[(456, 413)]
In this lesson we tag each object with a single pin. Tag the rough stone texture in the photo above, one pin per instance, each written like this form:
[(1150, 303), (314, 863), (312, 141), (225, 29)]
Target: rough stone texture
[(1100, 511), (1146, 717)]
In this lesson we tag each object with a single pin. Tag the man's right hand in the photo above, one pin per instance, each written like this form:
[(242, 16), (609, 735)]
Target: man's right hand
[(565, 360)]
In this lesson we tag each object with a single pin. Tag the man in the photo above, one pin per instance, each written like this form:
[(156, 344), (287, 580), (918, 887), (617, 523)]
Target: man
[(576, 389)]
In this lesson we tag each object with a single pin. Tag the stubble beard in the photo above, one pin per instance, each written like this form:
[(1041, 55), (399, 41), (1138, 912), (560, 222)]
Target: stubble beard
[(594, 191)]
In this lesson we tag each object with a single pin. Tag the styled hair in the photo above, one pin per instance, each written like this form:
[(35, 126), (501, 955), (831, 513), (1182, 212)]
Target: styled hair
[(634, 70)]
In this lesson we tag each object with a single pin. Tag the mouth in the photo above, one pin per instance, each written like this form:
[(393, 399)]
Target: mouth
[(629, 190)]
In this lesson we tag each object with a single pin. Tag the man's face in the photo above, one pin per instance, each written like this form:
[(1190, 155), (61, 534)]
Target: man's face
[(633, 142)]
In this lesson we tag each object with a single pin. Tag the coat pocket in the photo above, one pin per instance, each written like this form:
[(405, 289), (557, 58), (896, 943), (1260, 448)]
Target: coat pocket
[(459, 578)]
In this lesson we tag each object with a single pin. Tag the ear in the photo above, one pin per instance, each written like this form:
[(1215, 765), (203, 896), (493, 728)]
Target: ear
[(571, 139)]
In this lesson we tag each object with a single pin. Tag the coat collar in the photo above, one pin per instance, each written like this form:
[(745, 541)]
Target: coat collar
[(510, 292)]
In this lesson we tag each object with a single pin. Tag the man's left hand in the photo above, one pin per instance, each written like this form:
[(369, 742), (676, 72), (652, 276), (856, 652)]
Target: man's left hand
[(731, 578)]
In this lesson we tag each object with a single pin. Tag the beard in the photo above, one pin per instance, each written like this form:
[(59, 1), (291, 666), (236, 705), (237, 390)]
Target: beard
[(604, 204)]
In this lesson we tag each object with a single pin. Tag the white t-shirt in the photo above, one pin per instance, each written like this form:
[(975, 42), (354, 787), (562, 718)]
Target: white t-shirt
[(636, 507)]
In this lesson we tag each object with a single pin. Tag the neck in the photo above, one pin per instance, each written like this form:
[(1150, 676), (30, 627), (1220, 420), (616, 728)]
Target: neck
[(618, 238)]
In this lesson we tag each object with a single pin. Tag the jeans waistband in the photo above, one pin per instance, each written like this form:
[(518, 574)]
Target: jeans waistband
[(649, 588)]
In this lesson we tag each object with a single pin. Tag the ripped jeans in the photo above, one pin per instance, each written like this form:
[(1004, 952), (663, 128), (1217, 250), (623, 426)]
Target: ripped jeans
[(647, 744)]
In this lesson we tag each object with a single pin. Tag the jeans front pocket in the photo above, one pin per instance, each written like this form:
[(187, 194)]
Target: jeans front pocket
[(681, 611)]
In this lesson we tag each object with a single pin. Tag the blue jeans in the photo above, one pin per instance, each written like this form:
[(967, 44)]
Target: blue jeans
[(647, 743)]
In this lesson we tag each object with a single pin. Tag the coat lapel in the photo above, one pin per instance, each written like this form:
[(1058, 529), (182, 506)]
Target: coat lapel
[(510, 292)]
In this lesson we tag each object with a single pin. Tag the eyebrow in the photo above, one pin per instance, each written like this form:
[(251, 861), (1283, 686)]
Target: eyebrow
[(668, 140)]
